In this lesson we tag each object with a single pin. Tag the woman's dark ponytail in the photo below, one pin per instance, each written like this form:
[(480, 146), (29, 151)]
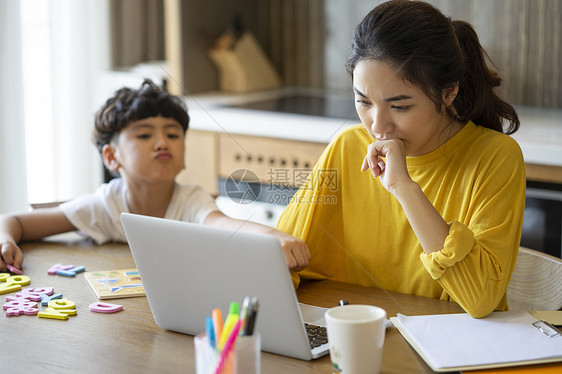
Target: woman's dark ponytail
[(476, 99)]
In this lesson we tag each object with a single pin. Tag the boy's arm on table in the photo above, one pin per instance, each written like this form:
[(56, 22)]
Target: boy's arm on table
[(295, 250), (36, 224)]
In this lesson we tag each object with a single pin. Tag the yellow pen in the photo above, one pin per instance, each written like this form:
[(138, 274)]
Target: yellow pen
[(229, 323)]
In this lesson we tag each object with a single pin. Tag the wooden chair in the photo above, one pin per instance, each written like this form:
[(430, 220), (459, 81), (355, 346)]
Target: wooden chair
[(536, 283)]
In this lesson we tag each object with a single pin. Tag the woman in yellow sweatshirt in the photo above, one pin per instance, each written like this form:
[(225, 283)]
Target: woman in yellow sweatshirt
[(426, 197)]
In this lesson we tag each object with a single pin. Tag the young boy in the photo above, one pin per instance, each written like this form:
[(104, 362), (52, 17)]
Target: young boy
[(141, 137)]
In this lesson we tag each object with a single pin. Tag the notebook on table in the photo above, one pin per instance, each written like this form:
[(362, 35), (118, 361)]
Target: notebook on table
[(188, 270), (458, 342)]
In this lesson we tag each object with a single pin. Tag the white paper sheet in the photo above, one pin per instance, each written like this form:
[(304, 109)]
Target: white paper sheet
[(458, 340)]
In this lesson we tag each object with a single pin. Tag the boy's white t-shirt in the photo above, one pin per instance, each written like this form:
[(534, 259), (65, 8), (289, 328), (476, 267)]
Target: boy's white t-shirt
[(97, 215)]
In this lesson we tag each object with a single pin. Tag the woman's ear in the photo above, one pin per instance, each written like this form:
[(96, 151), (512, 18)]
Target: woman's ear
[(450, 93), (109, 159)]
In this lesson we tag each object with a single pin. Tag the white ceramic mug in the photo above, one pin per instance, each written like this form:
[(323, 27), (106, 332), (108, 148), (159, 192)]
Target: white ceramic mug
[(356, 337)]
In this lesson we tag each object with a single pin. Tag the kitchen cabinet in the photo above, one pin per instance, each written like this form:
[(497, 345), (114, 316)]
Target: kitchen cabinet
[(211, 156), (543, 173), (272, 160), (200, 160), (291, 33)]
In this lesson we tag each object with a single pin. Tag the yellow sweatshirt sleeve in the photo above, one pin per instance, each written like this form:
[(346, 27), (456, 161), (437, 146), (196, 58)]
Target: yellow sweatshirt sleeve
[(477, 260)]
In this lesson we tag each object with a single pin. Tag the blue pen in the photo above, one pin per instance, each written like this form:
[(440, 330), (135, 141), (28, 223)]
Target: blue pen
[(210, 332)]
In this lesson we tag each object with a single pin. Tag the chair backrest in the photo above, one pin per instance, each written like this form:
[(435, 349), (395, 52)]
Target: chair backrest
[(536, 283)]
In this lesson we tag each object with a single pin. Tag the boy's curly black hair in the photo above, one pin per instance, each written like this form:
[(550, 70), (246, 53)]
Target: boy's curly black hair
[(130, 105)]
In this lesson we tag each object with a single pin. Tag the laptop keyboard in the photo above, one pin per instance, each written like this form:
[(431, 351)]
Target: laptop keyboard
[(317, 335)]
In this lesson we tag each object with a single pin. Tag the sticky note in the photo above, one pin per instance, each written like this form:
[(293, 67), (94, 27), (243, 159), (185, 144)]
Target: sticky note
[(101, 307)]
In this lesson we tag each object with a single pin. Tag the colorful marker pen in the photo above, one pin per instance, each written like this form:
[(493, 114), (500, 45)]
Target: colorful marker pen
[(210, 329), (252, 313), (244, 314), (228, 346), (229, 323), (217, 322)]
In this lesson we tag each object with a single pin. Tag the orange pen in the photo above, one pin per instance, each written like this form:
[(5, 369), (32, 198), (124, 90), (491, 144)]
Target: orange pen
[(217, 322)]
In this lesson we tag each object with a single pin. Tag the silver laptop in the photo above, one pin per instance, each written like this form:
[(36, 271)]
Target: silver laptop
[(188, 270)]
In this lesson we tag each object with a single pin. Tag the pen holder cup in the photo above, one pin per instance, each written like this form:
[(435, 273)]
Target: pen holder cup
[(243, 359)]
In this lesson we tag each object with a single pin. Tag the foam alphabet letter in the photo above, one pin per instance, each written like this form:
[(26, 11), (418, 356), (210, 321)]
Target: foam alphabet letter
[(56, 267), (15, 308), (71, 272), (45, 299), (17, 297), (52, 313), (101, 307), (35, 295), (62, 304), (59, 309), (13, 283)]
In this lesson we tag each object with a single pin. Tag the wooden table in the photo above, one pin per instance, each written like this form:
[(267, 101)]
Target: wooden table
[(130, 341)]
